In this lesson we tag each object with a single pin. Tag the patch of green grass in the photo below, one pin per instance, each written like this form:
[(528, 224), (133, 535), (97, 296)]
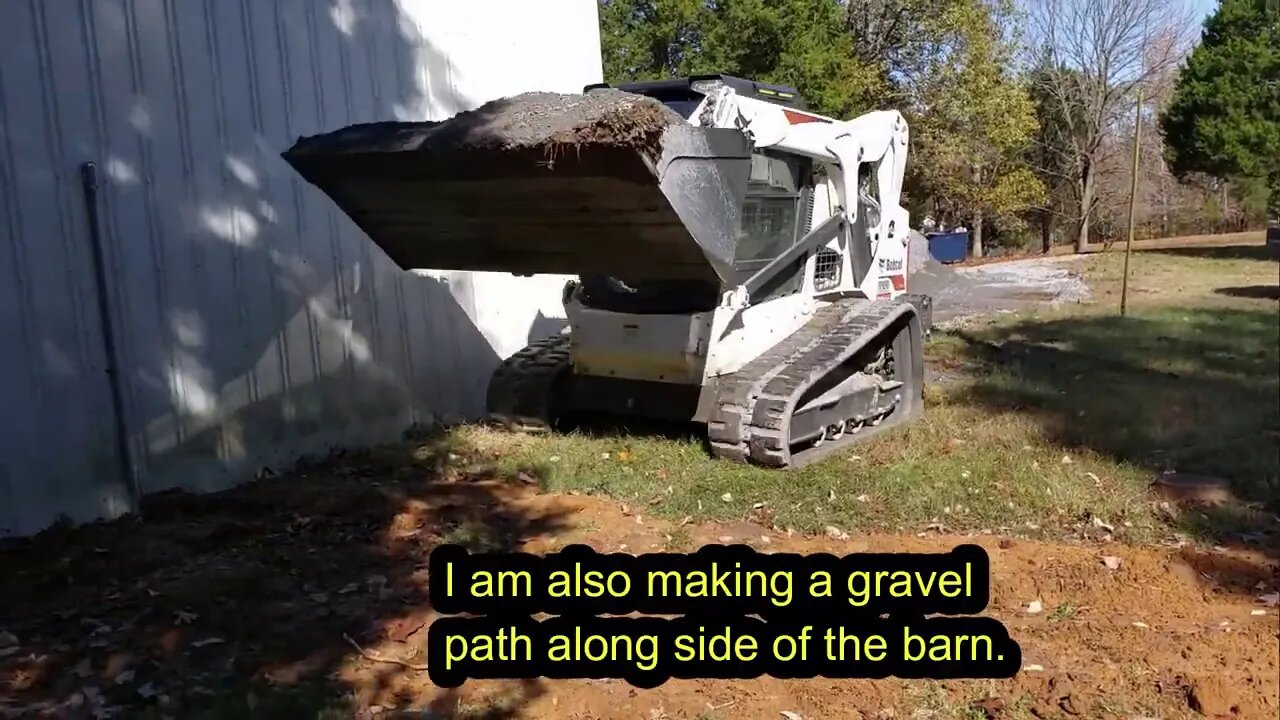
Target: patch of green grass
[(929, 699), (474, 536), (1059, 417), (957, 468), (1063, 611), (1188, 389), (680, 538)]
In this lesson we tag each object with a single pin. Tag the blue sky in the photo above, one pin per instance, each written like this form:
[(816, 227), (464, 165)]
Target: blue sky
[(1204, 7)]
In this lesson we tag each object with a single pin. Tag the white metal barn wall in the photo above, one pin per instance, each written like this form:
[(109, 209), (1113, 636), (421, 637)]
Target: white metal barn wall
[(250, 322)]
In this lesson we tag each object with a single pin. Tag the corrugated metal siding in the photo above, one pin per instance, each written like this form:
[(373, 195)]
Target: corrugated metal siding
[(254, 322)]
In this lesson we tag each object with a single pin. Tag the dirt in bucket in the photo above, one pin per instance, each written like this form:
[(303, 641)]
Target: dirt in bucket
[(537, 120)]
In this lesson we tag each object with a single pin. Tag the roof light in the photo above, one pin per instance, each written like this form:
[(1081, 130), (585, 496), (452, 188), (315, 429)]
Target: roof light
[(706, 87)]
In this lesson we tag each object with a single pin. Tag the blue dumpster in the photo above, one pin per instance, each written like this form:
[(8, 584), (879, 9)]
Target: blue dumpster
[(949, 247)]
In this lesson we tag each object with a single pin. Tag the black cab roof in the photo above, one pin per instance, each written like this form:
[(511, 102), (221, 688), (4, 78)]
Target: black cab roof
[(681, 89)]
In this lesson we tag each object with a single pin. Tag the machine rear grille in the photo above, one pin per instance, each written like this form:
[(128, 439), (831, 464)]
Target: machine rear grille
[(826, 270)]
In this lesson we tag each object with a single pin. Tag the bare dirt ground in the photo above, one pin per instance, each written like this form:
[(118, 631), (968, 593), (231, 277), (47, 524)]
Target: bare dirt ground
[(307, 594)]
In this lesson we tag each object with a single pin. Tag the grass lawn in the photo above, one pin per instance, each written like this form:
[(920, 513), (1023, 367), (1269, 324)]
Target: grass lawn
[(1059, 421)]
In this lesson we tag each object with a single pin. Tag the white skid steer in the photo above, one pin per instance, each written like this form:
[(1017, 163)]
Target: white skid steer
[(741, 261)]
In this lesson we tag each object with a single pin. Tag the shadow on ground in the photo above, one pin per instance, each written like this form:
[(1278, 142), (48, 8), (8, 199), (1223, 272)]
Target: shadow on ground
[(1252, 292), (1218, 252), (1196, 391), (252, 602)]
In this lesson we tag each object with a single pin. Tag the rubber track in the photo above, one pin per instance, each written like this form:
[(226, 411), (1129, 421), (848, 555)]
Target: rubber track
[(522, 389), (755, 404)]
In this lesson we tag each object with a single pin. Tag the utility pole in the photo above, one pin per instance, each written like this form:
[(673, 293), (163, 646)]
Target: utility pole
[(1133, 198)]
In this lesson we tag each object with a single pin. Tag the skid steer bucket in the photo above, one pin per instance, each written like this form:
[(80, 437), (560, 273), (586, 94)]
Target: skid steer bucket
[(605, 183)]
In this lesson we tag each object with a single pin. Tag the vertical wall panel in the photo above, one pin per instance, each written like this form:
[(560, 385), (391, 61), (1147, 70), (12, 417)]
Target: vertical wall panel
[(254, 322)]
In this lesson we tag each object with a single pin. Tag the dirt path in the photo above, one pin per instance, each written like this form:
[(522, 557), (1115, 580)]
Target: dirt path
[(244, 598)]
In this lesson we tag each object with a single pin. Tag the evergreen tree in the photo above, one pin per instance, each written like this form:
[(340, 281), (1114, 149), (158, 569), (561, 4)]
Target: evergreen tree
[(1224, 119)]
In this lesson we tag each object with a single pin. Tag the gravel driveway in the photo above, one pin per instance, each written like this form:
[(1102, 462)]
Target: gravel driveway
[(961, 294)]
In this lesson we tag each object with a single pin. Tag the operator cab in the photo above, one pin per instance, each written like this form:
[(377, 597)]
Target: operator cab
[(776, 214)]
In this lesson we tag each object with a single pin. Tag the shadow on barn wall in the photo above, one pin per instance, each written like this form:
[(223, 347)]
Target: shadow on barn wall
[(254, 322)]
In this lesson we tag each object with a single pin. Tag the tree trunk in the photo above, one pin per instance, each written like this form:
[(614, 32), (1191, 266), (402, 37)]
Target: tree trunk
[(1273, 195), (1046, 232), (975, 236), (1086, 212)]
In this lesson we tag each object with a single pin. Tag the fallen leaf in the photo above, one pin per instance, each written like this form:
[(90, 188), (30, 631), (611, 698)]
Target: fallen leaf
[(1141, 625), (727, 497), (1100, 523), (626, 455), (1034, 607), (863, 498), (1066, 459), (836, 533), (604, 456), (831, 496), (687, 519), (757, 506), (554, 458), (526, 478), (726, 539), (1034, 668), (1111, 562)]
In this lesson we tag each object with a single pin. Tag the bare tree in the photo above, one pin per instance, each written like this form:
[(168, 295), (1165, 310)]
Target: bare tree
[(1095, 54)]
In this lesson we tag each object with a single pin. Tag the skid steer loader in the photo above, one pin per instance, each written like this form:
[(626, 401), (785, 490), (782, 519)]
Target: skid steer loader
[(741, 262)]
